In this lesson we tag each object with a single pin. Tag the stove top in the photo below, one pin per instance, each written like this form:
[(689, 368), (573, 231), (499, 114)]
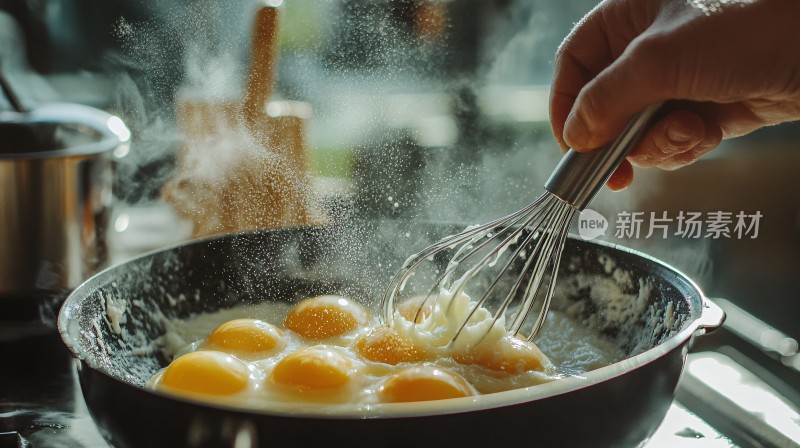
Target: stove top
[(40, 400)]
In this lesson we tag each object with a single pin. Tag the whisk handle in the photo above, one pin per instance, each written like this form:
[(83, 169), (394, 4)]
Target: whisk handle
[(579, 176)]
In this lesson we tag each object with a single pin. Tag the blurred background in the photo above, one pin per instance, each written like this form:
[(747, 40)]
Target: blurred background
[(411, 109)]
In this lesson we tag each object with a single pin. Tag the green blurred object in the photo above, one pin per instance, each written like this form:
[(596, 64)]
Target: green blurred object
[(332, 162), (301, 25)]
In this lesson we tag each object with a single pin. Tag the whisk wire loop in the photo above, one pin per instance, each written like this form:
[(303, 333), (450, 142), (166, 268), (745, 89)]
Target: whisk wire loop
[(537, 326), (398, 280), (533, 232), (528, 237), (495, 254), (547, 261)]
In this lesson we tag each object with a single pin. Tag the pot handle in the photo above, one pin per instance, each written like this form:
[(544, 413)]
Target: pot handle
[(712, 316)]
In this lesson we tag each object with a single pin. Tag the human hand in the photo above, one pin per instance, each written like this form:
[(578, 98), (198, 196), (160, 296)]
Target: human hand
[(725, 68)]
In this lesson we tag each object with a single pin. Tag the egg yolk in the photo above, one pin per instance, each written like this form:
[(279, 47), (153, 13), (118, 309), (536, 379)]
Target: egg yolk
[(324, 317), (247, 335), (410, 308), (206, 372), (313, 368), (424, 383), (511, 355), (385, 345)]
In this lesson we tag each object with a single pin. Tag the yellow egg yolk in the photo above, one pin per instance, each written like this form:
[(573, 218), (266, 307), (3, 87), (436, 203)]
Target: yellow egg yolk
[(410, 309), (423, 383), (206, 372), (313, 368), (247, 335), (324, 317), (511, 355), (385, 345)]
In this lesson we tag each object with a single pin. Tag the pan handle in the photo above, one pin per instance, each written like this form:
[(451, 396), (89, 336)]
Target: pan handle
[(712, 317)]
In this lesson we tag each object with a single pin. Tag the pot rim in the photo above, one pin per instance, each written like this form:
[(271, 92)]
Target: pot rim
[(112, 129), (418, 409)]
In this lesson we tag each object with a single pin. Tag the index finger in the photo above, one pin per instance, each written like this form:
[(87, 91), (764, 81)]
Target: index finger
[(593, 44)]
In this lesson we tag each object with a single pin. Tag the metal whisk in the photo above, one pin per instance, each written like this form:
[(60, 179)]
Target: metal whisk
[(510, 264)]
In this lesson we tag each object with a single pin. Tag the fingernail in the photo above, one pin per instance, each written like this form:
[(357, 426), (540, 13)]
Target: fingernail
[(678, 134), (575, 132)]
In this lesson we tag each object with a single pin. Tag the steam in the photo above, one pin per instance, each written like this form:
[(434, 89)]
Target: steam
[(211, 78), (178, 43), (450, 162), (181, 93)]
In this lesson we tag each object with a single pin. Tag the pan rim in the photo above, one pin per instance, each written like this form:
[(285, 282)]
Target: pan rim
[(476, 403)]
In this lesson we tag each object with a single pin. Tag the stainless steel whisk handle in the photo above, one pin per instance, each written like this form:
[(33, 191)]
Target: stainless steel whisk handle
[(579, 176)]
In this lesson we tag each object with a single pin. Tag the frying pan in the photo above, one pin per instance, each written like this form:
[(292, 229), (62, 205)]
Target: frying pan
[(110, 322)]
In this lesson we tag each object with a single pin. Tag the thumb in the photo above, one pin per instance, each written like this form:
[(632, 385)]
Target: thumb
[(606, 104)]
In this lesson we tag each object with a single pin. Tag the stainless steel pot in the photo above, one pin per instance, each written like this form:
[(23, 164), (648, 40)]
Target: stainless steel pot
[(112, 323), (56, 179)]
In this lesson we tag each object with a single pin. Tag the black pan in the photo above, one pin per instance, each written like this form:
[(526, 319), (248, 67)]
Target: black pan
[(618, 405)]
